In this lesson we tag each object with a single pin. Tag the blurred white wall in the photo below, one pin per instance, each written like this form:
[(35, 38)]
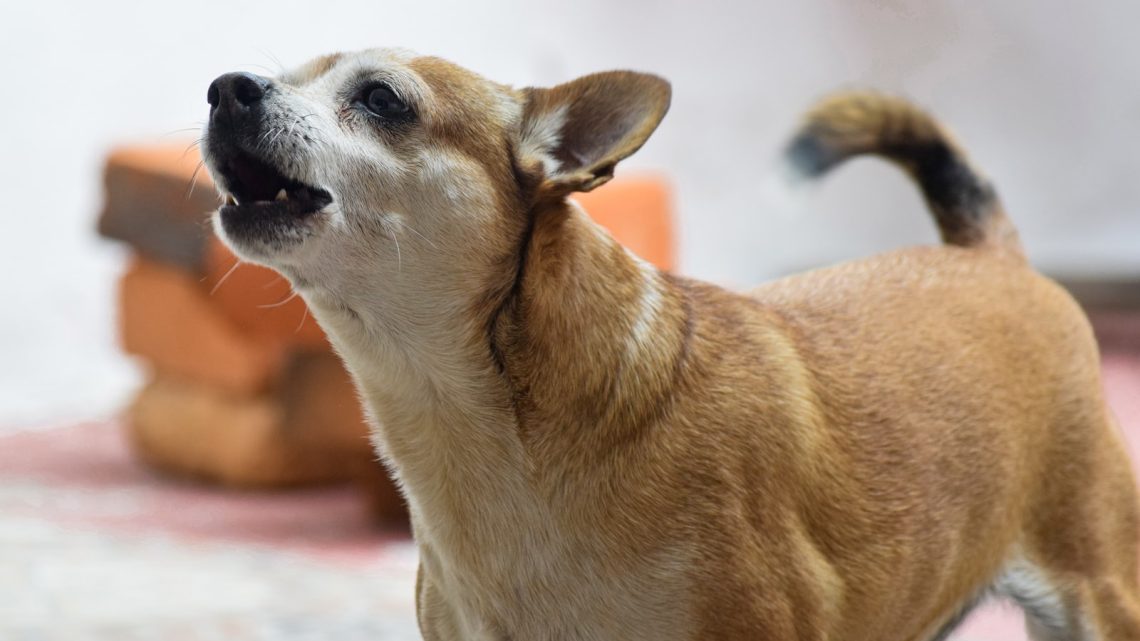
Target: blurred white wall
[(1046, 94)]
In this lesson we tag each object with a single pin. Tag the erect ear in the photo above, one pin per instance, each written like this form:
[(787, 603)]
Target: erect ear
[(579, 130)]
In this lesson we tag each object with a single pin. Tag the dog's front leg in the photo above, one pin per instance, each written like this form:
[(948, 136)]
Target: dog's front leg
[(441, 620), (438, 621)]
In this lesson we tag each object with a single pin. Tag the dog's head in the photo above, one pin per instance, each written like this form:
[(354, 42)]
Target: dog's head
[(410, 173)]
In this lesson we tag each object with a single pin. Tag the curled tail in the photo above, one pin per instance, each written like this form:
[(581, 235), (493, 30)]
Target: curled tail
[(846, 125)]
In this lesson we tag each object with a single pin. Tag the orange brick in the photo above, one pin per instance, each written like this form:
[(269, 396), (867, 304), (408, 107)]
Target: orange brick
[(323, 413), (166, 318), (149, 204), (258, 300), (321, 405), (198, 431), (308, 429), (638, 211)]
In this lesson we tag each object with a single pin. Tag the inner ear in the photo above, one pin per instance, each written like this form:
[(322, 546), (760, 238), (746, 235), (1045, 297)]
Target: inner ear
[(579, 130)]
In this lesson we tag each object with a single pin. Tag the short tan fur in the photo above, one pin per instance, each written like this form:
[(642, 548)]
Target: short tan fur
[(593, 449)]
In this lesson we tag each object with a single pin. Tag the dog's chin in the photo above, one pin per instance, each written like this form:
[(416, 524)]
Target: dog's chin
[(267, 236)]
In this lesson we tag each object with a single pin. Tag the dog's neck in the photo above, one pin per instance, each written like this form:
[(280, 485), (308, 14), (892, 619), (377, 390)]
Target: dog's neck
[(593, 332), (589, 332)]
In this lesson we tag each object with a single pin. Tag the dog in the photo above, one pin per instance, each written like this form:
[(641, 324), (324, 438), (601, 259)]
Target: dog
[(593, 449)]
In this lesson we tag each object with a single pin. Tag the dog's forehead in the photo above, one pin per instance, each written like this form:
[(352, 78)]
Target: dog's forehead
[(438, 74), (438, 85), (339, 64), (311, 70)]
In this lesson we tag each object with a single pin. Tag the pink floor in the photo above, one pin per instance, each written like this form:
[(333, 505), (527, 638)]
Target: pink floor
[(94, 546)]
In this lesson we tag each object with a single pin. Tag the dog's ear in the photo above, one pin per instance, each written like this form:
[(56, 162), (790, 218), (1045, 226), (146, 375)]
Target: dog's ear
[(579, 130)]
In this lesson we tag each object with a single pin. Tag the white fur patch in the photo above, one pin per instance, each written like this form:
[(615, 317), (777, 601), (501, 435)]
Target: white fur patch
[(541, 135), (649, 306), (455, 177), (1043, 604)]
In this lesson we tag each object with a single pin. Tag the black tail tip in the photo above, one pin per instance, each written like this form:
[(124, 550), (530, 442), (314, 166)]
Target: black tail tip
[(808, 156)]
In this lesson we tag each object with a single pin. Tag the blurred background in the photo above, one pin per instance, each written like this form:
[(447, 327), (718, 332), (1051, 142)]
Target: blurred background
[(1043, 94)]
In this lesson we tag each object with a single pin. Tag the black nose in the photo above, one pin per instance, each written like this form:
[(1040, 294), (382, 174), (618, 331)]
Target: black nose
[(233, 94)]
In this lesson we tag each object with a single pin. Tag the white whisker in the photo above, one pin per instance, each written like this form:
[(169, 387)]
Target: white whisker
[(288, 298), (268, 54), (180, 131), (194, 179), (196, 143), (409, 228), (260, 66), (304, 317), (265, 134), (280, 130), (399, 257), (225, 276)]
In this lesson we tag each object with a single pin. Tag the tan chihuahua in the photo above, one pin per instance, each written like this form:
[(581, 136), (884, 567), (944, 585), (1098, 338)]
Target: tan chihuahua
[(592, 449)]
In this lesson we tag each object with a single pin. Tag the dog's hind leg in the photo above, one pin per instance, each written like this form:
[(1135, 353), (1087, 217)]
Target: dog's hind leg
[(1049, 612), (1071, 608), (1077, 573), (1116, 611)]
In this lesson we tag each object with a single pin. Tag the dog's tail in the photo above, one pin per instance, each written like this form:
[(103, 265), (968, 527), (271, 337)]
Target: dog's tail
[(846, 125)]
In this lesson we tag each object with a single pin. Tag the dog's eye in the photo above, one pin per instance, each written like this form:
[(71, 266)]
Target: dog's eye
[(381, 101)]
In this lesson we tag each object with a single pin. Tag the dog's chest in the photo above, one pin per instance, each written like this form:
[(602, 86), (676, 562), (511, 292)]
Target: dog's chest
[(502, 557), (532, 583)]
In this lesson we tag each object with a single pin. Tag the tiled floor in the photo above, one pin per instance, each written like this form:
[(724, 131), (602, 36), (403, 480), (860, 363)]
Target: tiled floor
[(94, 547)]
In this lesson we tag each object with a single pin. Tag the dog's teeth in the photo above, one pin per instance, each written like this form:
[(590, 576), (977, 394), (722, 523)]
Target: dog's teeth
[(230, 200), (281, 195)]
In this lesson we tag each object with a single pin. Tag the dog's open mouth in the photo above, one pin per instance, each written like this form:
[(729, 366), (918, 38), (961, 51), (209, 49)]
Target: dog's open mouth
[(256, 187)]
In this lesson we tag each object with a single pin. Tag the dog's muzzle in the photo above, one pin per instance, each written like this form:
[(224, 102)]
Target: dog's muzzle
[(256, 186)]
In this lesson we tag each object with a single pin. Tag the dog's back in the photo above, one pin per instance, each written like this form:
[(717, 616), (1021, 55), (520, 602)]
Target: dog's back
[(957, 407)]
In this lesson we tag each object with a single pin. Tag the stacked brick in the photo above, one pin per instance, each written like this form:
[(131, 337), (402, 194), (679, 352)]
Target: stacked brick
[(243, 388)]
